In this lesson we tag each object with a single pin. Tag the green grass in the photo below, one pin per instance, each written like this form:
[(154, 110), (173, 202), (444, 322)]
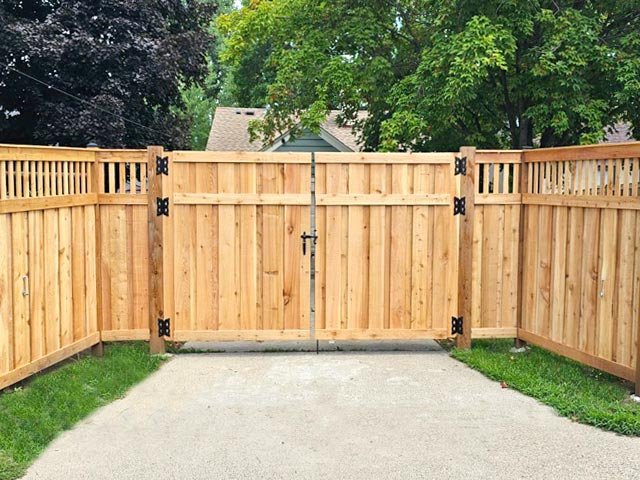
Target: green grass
[(31, 416), (581, 393)]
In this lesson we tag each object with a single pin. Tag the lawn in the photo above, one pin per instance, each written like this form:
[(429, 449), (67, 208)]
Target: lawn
[(581, 393), (31, 416)]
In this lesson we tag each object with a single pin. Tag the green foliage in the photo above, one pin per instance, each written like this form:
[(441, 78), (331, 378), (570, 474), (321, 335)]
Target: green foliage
[(201, 98), (581, 393), (33, 415), (436, 75)]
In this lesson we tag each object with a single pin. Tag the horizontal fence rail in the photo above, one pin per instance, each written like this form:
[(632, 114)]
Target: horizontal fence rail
[(550, 243)]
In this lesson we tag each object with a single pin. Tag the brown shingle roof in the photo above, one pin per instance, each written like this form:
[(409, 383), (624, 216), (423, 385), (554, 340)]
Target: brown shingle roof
[(230, 124)]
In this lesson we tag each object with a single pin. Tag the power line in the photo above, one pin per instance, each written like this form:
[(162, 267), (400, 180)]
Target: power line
[(81, 100)]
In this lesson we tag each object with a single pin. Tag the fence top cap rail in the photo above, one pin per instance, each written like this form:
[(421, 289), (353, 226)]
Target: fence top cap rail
[(498, 151), (44, 153), (117, 150), (581, 147), (498, 156), (305, 157), (34, 147), (599, 151), (59, 148), (191, 156), (386, 157)]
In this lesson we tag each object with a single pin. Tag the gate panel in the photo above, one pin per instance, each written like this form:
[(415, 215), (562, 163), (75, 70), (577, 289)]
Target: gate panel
[(387, 254), (239, 271)]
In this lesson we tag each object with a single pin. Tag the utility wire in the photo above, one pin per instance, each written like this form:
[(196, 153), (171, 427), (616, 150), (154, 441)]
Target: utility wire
[(81, 100)]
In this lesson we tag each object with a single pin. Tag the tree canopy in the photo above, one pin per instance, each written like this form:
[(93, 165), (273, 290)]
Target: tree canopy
[(435, 75), (128, 58)]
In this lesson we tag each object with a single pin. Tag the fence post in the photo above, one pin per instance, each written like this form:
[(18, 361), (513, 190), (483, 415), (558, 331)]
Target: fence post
[(160, 247), (98, 349), (522, 186), (465, 188)]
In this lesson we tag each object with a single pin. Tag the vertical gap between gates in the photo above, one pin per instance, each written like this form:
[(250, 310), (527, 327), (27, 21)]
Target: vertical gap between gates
[(312, 266)]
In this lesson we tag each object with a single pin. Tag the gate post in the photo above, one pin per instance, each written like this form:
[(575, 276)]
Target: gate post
[(465, 189), (160, 215)]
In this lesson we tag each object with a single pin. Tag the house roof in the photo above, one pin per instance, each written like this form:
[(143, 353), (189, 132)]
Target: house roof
[(229, 130), (620, 132)]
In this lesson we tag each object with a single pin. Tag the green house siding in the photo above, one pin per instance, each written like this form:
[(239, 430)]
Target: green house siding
[(307, 142)]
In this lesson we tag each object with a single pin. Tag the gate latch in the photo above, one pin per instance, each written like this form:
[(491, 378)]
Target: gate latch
[(305, 237)]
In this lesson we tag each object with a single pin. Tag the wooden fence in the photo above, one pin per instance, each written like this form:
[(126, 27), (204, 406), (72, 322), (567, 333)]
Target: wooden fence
[(48, 280), (548, 251), (124, 244), (581, 282), (496, 244)]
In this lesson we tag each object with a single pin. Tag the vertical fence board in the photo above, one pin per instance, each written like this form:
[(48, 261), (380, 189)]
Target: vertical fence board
[(37, 293), (20, 263), (65, 275), (6, 296), (606, 284), (206, 231), (247, 217), (272, 251), (589, 280), (334, 276), (79, 280), (229, 287), (623, 312), (52, 279), (92, 284), (558, 273)]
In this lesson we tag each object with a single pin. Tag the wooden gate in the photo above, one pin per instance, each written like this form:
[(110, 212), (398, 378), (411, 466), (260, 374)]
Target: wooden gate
[(387, 256), (233, 265), (238, 269)]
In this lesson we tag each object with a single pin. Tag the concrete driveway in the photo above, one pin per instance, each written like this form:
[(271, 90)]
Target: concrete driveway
[(338, 415)]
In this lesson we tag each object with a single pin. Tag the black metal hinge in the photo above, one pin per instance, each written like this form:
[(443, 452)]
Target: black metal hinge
[(457, 325), (164, 327), (163, 206), (459, 205), (460, 167), (162, 165)]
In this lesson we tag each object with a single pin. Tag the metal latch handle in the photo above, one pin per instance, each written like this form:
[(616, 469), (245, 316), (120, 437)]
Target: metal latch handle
[(305, 237), (25, 285)]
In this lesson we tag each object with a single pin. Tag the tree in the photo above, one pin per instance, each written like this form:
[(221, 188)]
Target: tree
[(436, 75), (128, 58), (201, 98)]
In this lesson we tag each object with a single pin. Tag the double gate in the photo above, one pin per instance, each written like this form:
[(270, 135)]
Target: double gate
[(266, 246)]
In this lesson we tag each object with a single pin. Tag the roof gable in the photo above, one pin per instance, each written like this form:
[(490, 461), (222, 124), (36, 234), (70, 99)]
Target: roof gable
[(229, 131)]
